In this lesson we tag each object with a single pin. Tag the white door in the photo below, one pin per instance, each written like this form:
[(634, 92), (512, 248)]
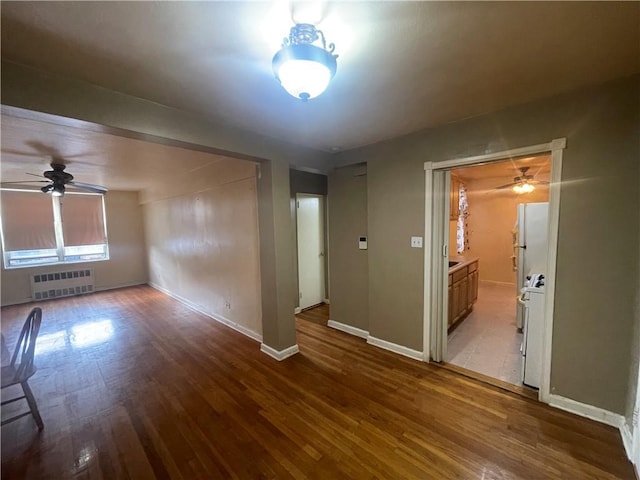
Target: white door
[(310, 221)]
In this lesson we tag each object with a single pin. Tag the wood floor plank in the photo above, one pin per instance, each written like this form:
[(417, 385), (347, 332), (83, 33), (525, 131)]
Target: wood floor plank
[(133, 384)]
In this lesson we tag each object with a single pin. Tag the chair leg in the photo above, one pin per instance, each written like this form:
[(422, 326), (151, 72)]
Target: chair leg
[(32, 404)]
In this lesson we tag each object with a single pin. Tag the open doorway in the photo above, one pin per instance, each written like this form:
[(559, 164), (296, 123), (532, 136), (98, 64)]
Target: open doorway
[(437, 262), (311, 250), (498, 220)]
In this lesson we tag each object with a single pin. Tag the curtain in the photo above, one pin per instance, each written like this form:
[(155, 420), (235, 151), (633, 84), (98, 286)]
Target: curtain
[(27, 220), (82, 220), (461, 233)]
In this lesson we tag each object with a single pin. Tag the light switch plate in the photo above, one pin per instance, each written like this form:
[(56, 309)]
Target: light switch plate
[(416, 242)]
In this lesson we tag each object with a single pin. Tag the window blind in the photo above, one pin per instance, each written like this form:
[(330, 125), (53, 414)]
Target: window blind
[(27, 220), (82, 220)]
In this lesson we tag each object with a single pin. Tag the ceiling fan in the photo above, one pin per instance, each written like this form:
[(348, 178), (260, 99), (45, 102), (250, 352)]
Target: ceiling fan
[(523, 183), (58, 180)]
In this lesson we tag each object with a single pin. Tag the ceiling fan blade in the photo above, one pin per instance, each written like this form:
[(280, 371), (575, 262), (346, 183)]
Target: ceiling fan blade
[(89, 187), (25, 181), (538, 182), (508, 185)]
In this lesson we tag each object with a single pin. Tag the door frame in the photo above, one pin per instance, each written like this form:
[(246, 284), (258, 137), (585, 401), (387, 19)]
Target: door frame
[(436, 248), (323, 253)]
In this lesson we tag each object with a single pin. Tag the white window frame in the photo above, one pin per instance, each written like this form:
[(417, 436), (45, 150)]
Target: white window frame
[(60, 254)]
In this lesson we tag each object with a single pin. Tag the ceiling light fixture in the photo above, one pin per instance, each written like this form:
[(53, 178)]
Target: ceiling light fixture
[(523, 187), (303, 69), (55, 189)]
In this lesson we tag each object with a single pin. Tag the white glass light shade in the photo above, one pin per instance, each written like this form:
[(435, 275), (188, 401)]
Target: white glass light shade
[(304, 79), (305, 70), (521, 188)]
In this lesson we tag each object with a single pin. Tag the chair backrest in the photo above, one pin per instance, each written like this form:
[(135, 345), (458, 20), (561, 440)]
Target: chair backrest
[(26, 346)]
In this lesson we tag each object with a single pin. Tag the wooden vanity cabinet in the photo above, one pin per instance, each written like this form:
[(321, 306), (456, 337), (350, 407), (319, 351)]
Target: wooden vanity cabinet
[(473, 283), (463, 293)]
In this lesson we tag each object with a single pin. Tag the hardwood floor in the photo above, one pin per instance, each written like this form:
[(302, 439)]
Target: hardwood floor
[(132, 384)]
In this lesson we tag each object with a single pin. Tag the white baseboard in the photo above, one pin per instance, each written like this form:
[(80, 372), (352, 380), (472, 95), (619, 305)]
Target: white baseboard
[(358, 332), (392, 347), (599, 415), (218, 318), (504, 284), (627, 440), (114, 287), (281, 354), (589, 411), (326, 300), (297, 310)]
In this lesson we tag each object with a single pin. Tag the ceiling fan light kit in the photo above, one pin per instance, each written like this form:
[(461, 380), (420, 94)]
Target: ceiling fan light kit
[(523, 183), (303, 69), (523, 187), (56, 189)]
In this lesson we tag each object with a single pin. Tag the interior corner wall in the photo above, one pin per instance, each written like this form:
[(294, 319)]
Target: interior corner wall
[(127, 260), (348, 265), (596, 287), (203, 248)]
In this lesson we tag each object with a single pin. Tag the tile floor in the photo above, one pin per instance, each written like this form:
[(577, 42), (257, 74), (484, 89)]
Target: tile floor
[(487, 341)]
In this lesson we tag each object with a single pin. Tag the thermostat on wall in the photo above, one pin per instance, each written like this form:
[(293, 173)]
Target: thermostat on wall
[(362, 243)]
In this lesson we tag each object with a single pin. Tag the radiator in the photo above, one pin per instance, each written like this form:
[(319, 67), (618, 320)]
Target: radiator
[(61, 284)]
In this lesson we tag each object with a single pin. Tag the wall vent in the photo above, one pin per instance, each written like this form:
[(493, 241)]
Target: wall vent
[(61, 284)]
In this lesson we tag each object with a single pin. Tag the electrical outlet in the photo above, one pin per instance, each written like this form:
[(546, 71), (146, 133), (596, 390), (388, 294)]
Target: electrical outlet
[(228, 305), (416, 242)]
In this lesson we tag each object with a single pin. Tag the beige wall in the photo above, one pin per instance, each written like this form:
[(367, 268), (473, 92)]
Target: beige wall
[(127, 263), (491, 217), (595, 289), (348, 222), (395, 198), (634, 365), (203, 246)]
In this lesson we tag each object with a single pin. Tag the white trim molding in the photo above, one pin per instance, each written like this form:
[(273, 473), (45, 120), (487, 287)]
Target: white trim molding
[(395, 348), (279, 354), (428, 252), (297, 310), (326, 301), (358, 332), (588, 411), (218, 318), (627, 440), (557, 147)]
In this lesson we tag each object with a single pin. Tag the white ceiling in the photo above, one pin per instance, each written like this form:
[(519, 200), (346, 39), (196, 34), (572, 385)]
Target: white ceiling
[(403, 66)]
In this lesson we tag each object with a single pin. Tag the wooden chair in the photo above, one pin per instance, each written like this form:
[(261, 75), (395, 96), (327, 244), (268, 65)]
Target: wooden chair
[(18, 373)]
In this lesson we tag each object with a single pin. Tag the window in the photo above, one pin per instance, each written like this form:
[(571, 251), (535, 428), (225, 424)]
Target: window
[(39, 229)]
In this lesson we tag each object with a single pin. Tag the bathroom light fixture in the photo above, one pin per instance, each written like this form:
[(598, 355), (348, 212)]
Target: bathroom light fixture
[(303, 69)]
